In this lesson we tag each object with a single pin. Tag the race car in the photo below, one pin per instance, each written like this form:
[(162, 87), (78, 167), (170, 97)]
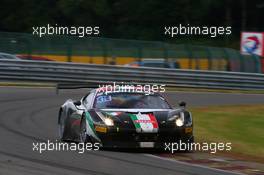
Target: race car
[(129, 119)]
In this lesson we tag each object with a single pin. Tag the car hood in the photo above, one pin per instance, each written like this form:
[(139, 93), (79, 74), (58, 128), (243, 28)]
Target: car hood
[(123, 115), (134, 110)]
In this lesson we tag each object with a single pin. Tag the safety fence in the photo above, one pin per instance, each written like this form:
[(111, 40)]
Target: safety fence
[(97, 50), (93, 74)]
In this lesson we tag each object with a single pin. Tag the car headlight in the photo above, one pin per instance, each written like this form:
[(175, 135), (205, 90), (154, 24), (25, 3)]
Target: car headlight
[(180, 120), (109, 122)]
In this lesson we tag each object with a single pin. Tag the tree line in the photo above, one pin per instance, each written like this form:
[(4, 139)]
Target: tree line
[(131, 19)]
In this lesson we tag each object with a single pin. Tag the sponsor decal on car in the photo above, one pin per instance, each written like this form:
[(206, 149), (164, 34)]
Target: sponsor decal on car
[(101, 129), (146, 123), (188, 130)]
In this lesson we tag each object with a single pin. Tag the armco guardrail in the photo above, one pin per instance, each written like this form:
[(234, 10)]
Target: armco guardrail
[(72, 73)]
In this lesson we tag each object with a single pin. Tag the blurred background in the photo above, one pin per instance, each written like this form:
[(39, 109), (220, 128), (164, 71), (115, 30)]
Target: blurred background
[(132, 32)]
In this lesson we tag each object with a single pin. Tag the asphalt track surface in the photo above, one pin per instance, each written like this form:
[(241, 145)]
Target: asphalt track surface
[(29, 115)]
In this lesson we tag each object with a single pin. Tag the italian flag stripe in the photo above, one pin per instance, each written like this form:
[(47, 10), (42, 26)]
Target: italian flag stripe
[(145, 122), (134, 118), (153, 120)]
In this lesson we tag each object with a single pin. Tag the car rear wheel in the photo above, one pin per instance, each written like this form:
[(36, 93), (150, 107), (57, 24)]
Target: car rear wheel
[(84, 138), (61, 128), (61, 131)]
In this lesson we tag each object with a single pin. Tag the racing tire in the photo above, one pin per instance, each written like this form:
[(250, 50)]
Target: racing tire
[(61, 128), (83, 137)]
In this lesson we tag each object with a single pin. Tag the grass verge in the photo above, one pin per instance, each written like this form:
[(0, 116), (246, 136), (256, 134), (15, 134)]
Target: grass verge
[(242, 125)]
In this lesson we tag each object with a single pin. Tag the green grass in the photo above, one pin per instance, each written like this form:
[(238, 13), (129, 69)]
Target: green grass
[(242, 125)]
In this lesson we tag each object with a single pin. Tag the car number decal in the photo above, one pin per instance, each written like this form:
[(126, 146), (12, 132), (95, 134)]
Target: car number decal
[(103, 99)]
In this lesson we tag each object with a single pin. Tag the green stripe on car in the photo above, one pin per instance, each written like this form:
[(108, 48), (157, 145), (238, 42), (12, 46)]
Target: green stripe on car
[(91, 125), (134, 118)]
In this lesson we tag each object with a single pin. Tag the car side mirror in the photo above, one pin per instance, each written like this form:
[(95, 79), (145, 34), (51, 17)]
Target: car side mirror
[(182, 104), (77, 103)]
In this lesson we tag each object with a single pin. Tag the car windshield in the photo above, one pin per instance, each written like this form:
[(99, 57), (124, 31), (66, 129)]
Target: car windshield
[(130, 100)]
